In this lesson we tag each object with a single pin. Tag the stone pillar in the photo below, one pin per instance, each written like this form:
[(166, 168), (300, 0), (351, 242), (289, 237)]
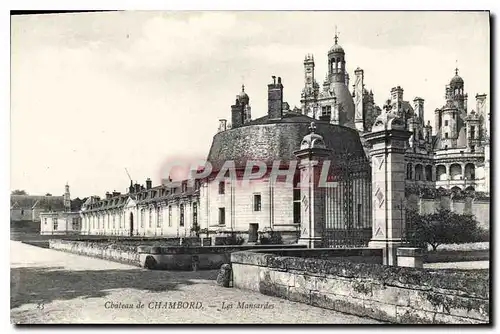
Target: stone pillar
[(387, 139), (313, 213)]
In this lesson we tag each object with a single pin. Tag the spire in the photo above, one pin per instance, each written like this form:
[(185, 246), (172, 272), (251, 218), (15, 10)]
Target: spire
[(336, 35)]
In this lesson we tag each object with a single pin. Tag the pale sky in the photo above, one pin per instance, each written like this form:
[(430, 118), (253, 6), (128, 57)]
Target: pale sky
[(94, 93)]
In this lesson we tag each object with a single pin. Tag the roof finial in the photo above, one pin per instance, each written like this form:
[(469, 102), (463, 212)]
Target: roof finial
[(243, 88), (456, 67), (312, 127), (336, 35)]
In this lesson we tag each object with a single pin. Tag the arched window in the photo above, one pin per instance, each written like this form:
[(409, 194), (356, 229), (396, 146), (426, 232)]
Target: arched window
[(470, 171), (441, 173), (409, 171), (419, 172), (456, 172), (428, 173)]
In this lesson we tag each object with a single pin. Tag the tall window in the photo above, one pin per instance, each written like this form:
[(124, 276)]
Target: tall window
[(359, 215), (181, 215), (114, 226), (472, 132), (142, 217), (195, 213), (170, 216), (75, 224), (150, 218), (222, 216), (56, 224), (296, 199), (257, 202), (446, 134), (159, 219), (120, 221), (107, 216), (222, 187), (45, 221), (446, 123)]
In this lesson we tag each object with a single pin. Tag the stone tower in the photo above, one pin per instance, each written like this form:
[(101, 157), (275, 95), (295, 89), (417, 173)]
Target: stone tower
[(67, 198), (311, 88), (358, 99)]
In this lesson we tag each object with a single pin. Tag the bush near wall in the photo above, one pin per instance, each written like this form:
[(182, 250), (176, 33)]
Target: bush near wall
[(442, 227)]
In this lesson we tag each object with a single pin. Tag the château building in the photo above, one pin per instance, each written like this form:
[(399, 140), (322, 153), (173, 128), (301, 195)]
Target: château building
[(452, 155)]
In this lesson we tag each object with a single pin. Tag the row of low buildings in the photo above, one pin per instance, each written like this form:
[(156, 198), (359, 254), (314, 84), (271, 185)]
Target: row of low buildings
[(455, 156)]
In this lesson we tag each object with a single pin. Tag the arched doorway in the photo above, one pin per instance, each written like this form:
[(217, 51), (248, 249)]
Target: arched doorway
[(470, 171), (428, 173), (131, 220)]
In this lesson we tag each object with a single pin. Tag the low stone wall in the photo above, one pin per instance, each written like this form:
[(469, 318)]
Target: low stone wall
[(387, 293), (457, 256), (196, 258), (114, 252)]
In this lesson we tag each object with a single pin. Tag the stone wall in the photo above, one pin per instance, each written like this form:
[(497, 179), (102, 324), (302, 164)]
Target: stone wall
[(478, 207), (114, 252), (387, 293)]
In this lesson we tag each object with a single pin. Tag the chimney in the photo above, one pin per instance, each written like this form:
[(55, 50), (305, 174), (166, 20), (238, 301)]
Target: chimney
[(131, 188), (137, 187), (237, 114), (222, 125), (275, 99), (148, 183), (116, 193), (419, 108), (397, 98), (108, 195)]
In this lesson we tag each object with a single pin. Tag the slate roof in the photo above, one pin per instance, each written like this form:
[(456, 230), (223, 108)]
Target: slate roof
[(144, 197), (269, 140), (28, 202)]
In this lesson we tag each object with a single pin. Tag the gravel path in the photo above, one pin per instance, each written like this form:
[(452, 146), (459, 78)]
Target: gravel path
[(49, 286)]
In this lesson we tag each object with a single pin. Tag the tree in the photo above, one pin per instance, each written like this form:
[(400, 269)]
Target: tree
[(442, 227), (19, 192)]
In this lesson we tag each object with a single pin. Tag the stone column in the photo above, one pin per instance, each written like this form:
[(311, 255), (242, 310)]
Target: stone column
[(313, 211), (387, 139)]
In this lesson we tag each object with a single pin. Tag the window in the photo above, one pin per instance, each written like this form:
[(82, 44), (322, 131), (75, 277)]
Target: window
[(446, 123), (257, 202), (22, 212), (159, 219), (222, 216), (222, 187), (296, 198), (184, 186), (445, 147), (120, 221), (45, 221), (359, 215), (181, 215), (195, 213), (170, 216), (150, 218), (472, 132), (75, 224), (114, 226), (473, 148), (142, 217), (446, 135), (56, 224)]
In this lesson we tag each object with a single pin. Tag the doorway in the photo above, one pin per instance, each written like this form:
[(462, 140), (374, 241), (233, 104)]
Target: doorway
[(131, 224)]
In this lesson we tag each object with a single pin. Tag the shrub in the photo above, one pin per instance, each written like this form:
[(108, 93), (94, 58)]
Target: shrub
[(271, 238), (443, 227)]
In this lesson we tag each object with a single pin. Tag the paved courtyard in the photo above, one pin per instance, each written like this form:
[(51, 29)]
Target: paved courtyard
[(48, 286)]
